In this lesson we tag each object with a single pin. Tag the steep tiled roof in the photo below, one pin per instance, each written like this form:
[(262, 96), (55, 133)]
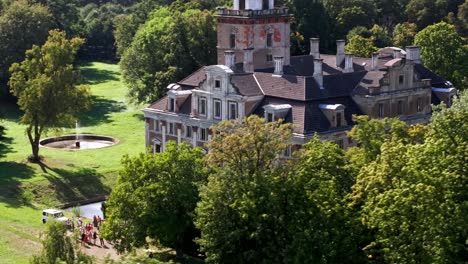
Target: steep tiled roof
[(246, 84), (161, 104), (195, 78)]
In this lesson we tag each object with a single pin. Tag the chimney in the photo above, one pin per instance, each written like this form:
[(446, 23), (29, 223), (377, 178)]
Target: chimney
[(348, 63), (396, 54), (314, 47), (279, 61), (230, 58), (248, 60), (413, 53), (340, 54), (375, 60), (318, 73)]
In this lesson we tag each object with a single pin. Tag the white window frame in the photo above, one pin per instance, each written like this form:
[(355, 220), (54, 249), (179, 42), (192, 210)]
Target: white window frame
[(205, 132), (172, 104), (202, 107), (215, 102), (231, 103), (268, 114)]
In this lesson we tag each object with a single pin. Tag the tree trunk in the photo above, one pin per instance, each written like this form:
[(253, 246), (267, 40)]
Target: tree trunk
[(34, 138)]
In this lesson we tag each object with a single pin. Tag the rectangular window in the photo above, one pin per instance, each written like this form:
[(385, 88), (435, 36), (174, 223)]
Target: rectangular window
[(172, 104), (156, 125), (217, 84), (232, 110), (188, 132), (202, 106), (269, 117), (171, 128), (338, 120), (400, 107), (269, 57), (401, 79), (241, 4), (217, 109), (232, 41), (381, 110), (204, 134), (265, 5), (269, 40), (419, 105)]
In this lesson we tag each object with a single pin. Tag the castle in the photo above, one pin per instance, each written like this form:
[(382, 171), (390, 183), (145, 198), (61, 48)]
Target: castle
[(318, 93)]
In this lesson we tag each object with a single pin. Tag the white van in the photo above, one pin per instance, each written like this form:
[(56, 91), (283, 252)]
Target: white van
[(53, 213)]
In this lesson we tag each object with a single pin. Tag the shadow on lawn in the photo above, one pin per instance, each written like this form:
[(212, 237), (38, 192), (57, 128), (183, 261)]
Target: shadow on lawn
[(100, 110), (11, 174), (71, 186), (96, 76)]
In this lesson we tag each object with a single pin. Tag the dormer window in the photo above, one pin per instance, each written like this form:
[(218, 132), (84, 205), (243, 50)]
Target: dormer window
[(269, 40), (232, 41), (217, 84), (339, 119), (334, 114), (172, 103), (276, 112), (270, 117), (202, 106)]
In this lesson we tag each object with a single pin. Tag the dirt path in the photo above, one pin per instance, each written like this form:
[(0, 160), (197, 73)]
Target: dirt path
[(100, 252)]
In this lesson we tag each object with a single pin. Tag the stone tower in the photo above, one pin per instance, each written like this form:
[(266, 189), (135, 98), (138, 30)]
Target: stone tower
[(256, 31)]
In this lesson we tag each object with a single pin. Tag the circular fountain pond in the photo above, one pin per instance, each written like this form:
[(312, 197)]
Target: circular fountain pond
[(72, 142)]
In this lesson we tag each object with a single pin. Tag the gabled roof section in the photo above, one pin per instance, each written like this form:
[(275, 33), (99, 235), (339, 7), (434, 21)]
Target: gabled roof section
[(246, 84), (195, 78)]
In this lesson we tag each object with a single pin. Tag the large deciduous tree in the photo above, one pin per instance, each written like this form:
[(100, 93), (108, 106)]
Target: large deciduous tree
[(166, 49), (444, 51), (155, 197), (404, 33), (45, 84), (413, 196), (241, 207), (22, 25)]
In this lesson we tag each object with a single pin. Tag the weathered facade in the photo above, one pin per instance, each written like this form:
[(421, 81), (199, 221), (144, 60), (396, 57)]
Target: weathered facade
[(318, 93)]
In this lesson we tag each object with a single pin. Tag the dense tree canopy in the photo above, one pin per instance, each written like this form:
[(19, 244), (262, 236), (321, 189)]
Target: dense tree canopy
[(444, 51), (22, 25), (155, 197), (166, 49), (45, 85)]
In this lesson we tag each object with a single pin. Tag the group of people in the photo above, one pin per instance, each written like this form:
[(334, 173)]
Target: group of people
[(88, 233)]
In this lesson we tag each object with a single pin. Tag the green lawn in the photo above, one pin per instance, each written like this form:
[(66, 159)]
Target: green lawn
[(64, 176)]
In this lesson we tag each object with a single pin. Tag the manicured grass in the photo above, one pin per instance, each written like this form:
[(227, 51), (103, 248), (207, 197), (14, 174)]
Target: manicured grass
[(64, 176)]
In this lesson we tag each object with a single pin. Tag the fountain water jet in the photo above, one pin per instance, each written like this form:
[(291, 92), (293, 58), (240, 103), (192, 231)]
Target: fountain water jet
[(77, 135)]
